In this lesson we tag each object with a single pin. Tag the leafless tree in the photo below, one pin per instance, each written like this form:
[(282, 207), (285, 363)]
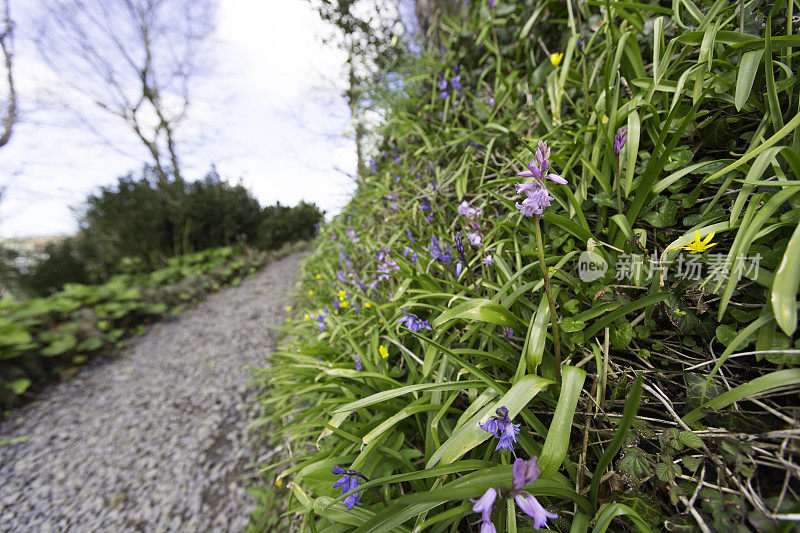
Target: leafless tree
[(136, 60), (7, 46)]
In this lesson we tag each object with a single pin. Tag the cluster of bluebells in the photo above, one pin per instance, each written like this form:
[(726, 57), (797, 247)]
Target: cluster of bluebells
[(413, 322), (320, 317), (501, 427), (409, 249), (537, 197), (440, 253), (425, 205), (386, 265), (348, 482), (475, 235), (524, 473), (454, 85)]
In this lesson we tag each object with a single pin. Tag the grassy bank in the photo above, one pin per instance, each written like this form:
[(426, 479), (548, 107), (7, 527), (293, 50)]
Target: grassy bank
[(630, 307)]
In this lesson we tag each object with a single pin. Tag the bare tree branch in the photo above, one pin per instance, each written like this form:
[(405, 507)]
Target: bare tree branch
[(7, 45), (134, 59)]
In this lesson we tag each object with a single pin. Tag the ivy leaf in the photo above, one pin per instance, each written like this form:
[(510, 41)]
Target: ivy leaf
[(570, 325), (621, 336), (663, 215), (699, 391)]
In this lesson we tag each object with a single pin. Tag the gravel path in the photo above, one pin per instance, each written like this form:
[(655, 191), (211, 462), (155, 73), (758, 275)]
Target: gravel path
[(154, 439)]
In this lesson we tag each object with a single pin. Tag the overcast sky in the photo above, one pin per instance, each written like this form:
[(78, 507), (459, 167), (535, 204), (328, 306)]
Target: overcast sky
[(269, 114)]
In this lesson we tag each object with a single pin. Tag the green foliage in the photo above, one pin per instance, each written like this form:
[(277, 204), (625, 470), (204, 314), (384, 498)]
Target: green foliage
[(139, 223), (44, 338), (690, 364)]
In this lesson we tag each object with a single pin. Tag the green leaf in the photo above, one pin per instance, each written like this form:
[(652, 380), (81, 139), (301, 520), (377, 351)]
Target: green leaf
[(569, 325), (748, 67), (785, 285), (62, 344), (394, 393), (692, 440), (621, 336), (18, 386), (557, 441), (13, 334), (609, 511), (480, 309)]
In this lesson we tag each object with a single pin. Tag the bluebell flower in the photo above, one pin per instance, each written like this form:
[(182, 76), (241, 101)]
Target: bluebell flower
[(525, 473), (425, 204), (455, 81), (358, 363), (348, 482), (459, 268), (483, 505), (475, 239), (460, 246), (352, 234), (413, 322), (580, 44), (410, 235), (372, 165), (464, 209), (619, 140), (508, 437), (500, 426)]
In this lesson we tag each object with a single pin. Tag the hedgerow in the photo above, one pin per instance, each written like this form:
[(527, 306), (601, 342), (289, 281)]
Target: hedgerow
[(475, 346), (43, 339)]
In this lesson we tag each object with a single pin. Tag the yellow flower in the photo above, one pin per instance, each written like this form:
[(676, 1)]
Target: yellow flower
[(343, 304), (699, 245), (383, 351), (306, 317), (288, 308), (555, 59), (342, 295), (288, 319), (278, 482), (319, 276), (367, 305), (311, 293)]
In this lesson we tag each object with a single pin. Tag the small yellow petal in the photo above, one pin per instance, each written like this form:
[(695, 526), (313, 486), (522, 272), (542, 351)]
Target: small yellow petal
[(278, 482), (306, 317), (343, 303), (383, 351), (367, 305), (555, 59), (311, 293), (319, 276), (288, 308)]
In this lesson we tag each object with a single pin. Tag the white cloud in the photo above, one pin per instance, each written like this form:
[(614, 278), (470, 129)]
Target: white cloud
[(271, 114)]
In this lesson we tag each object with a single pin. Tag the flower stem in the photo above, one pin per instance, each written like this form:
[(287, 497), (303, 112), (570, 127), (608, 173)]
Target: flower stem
[(619, 193), (546, 277)]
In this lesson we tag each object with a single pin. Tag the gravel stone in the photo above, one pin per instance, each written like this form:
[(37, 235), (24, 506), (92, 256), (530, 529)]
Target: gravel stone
[(131, 442)]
